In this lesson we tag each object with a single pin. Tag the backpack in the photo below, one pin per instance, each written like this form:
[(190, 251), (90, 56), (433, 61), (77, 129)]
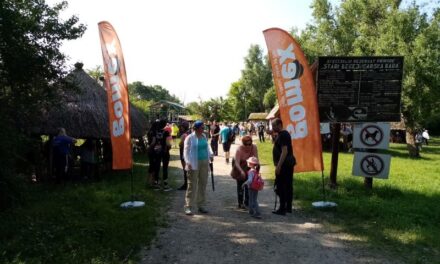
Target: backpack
[(231, 135), (257, 183)]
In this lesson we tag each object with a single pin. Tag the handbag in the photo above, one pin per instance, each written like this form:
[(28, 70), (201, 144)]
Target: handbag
[(235, 173)]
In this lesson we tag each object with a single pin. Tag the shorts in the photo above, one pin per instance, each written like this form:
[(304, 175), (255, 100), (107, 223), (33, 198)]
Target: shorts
[(226, 146)]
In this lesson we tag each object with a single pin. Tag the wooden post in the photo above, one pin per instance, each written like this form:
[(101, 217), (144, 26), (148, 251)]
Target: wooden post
[(336, 128), (368, 183)]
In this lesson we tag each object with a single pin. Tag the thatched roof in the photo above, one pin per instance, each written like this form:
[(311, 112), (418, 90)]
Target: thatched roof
[(83, 113), (190, 118), (257, 116)]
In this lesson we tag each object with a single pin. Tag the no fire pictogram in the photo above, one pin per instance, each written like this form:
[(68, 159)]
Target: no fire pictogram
[(372, 165)]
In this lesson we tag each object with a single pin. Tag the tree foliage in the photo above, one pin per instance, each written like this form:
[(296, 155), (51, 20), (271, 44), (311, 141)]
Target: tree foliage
[(247, 94), (256, 76), (96, 73), (383, 27), (150, 92), (270, 98), (31, 69)]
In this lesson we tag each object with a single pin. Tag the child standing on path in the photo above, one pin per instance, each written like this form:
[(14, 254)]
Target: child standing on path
[(253, 173)]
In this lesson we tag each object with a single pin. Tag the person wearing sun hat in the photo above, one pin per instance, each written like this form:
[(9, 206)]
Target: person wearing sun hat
[(254, 171), (197, 153)]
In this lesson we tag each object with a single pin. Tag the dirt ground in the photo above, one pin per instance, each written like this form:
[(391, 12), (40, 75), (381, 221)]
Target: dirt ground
[(229, 235)]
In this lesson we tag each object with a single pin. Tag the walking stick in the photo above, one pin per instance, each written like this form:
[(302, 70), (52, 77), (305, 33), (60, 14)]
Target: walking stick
[(276, 196), (211, 167)]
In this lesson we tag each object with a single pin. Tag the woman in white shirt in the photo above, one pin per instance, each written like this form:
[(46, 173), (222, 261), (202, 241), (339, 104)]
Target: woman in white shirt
[(197, 154)]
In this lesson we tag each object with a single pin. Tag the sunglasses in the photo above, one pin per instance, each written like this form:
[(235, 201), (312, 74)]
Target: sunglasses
[(247, 143)]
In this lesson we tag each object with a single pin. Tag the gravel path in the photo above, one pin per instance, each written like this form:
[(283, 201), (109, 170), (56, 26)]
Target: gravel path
[(229, 235)]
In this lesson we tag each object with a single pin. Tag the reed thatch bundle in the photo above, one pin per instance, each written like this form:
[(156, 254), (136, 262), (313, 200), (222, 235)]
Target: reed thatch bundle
[(83, 111)]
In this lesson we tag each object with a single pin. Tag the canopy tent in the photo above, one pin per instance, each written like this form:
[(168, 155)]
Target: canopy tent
[(168, 110)]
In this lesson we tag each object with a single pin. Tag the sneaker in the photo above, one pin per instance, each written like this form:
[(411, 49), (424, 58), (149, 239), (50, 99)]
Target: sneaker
[(166, 187), (156, 186), (188, 211), (279, 212), (203, 210), (258, 216)]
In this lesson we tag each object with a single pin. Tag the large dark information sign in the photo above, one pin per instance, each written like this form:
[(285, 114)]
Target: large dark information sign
[(359, 89)]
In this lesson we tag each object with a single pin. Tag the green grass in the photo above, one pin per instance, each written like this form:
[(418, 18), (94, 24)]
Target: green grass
[(400, 215), (83, 223)]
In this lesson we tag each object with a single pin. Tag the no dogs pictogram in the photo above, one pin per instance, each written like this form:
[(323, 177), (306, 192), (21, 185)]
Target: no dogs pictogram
[(372, 165), (371, 135)]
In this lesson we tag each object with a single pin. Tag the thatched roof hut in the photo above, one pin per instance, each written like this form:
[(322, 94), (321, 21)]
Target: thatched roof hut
[(257, 117), (83, 112)]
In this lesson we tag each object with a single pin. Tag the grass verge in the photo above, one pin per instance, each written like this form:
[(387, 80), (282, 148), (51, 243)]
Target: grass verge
[(400, 215), (83, 223)]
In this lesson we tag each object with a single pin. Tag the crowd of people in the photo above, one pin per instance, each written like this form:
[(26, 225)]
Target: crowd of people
[(199, 146)]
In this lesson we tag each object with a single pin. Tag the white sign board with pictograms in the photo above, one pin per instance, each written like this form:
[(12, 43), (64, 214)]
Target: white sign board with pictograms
[(369, 164), (371, 135)]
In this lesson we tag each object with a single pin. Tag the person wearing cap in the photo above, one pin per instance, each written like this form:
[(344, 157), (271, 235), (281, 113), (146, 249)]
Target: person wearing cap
[(62, 145), (243, 152), (284, 161), (197, 153)]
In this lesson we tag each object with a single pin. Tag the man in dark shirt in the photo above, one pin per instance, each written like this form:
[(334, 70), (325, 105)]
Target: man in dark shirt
[(214, 132), (160, 146), (261, 129), (284, 162)]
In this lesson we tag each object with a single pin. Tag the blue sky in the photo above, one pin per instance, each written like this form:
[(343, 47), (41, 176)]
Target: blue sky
[(193, 48)]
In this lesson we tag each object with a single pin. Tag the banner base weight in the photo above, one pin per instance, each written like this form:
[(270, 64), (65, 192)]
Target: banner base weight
[(132, 204)]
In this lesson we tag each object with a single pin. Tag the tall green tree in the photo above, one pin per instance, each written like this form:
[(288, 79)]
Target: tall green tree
[(270, 98), (31, 69), (256, 77), (383, 27), (239, 97)]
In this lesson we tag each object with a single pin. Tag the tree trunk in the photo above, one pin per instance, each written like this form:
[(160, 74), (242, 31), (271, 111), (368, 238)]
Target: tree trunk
[(411, 144)]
